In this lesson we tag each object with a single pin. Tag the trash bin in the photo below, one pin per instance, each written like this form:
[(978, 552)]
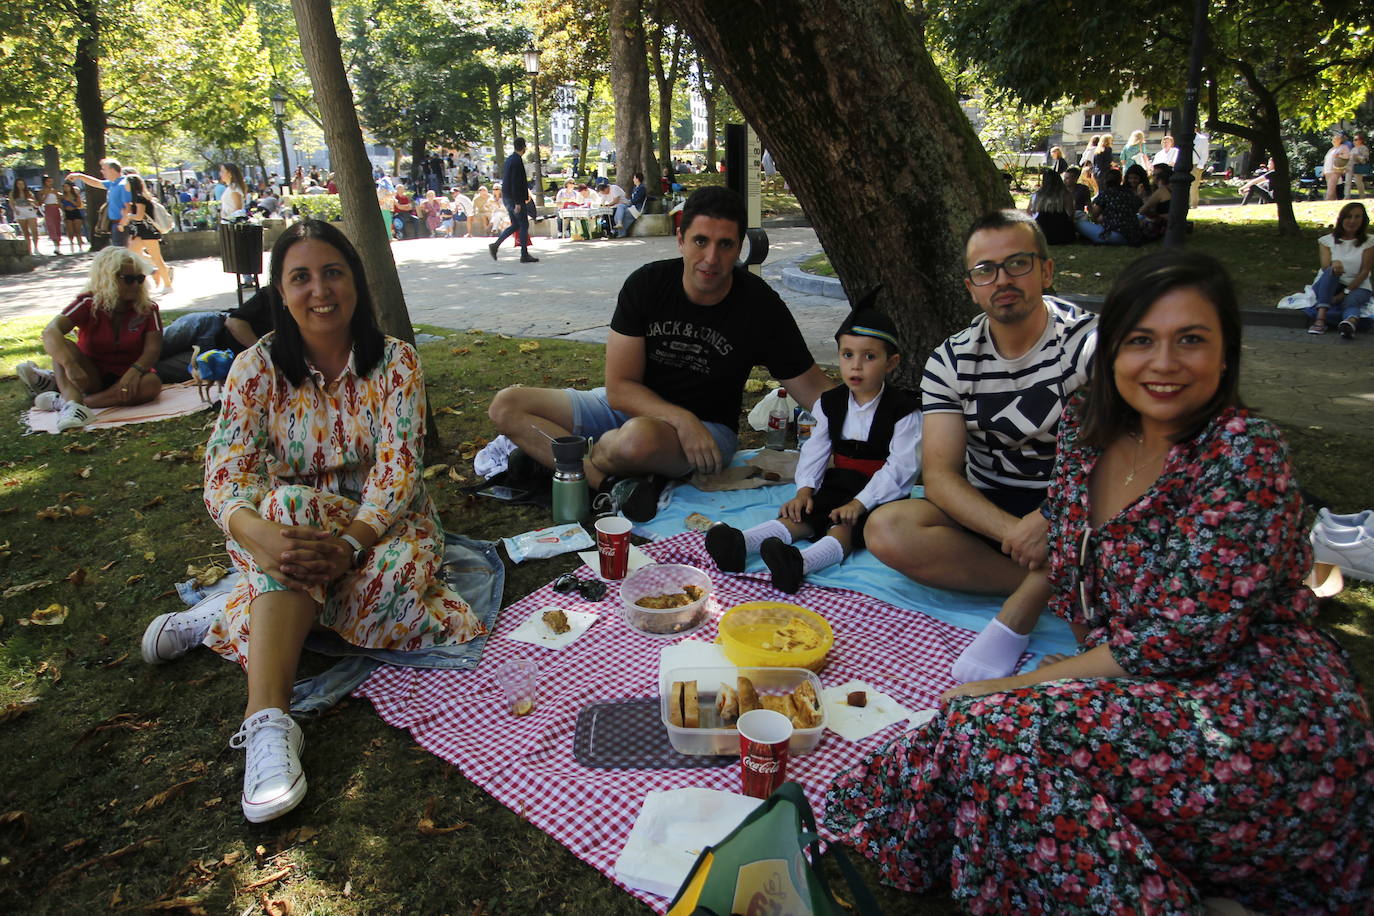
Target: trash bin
[(240, 248)]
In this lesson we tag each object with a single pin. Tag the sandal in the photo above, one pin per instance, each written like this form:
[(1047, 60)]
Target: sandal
[(1317, 327), (1347, 329)]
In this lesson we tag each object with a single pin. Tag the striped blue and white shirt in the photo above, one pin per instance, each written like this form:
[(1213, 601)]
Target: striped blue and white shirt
[(1011, 407)]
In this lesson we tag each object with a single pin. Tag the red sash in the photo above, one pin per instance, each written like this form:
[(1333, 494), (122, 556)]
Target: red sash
[(866, 466)]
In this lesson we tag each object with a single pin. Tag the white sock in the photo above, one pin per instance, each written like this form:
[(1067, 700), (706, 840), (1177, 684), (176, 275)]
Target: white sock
[(825, 552), (993, 653), (756, 535)]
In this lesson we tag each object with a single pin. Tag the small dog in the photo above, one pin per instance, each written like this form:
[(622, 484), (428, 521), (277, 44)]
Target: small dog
[(210, 368)]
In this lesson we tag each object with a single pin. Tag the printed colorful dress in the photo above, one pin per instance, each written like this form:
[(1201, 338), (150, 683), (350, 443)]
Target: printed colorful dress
[(1236, 759), (324, 455)]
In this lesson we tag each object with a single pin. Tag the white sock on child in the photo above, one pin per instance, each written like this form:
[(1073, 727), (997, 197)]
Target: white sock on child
[(773, 528), (993, 653), (825, 552)]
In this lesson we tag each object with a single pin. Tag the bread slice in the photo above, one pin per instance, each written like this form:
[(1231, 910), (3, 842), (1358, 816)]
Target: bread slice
[(808, 706), (691, 706), (675, 704), (748, 696), (727, 704)]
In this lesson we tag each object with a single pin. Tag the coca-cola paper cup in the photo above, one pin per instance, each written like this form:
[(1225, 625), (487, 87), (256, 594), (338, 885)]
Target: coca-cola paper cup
[(763, 739), (613, 546)]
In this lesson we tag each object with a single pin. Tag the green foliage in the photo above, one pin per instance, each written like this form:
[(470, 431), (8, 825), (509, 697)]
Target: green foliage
[(315, 206)]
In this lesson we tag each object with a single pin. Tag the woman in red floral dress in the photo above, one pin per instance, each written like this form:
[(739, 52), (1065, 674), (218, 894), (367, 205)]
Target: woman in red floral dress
[(1207, 741)]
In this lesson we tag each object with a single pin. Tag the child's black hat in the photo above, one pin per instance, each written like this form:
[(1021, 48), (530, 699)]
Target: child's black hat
[(867, 321)]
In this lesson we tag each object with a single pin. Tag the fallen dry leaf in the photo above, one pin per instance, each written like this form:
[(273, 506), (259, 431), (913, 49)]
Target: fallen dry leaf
[(108, 566), (119, 853), (164, 796), (51, 616), (83, 511), (84, 473), (77, 576), (74, 844), (434, 470), (275, 907), (50, 670), (460, 351), (426, 824), (117, 897), (529, 346), (123, 721), (50, 514), (15, 710), (192, 487), (150, 556), (77, 448), (230, 858), (115, 663), (134, 579), (275, 876), (298, 835), (155, 501), (215, 803), (454, 476), (451, 411), (18, 819), (26, 587)]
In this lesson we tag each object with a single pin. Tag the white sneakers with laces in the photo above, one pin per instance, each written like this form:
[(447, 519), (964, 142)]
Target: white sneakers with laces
[(1345, 541), (273, 781), (48, 401), (171, 636), (73, 416), (35, 379)]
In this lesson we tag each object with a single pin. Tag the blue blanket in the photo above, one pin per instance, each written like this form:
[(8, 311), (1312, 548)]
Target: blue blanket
[(860, 571)]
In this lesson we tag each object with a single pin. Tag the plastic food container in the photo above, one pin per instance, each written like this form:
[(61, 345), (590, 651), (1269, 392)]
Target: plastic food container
[(664, 579), (714, 737), (755, 633)]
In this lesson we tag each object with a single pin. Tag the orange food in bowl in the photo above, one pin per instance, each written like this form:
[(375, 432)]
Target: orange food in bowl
[(774, 634)]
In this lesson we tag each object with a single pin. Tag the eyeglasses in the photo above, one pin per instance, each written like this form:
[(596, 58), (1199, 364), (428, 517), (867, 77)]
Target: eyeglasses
[(132, 278), (589, 589), (984, 273)]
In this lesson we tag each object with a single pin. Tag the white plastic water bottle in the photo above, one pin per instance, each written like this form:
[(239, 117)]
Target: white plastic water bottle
[(778, 416)]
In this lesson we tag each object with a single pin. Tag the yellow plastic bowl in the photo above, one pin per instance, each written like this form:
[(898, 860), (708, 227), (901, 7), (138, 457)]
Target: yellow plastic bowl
[(749, 635)]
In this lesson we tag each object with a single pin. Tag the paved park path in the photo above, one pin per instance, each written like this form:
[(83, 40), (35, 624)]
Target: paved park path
[(1290, 376)]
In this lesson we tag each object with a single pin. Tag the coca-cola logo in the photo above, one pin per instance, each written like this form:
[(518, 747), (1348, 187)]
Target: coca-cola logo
[(762, 764), (607, 550)]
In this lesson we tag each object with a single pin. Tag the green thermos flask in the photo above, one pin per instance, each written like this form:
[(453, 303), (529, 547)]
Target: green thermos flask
[(571, 499)]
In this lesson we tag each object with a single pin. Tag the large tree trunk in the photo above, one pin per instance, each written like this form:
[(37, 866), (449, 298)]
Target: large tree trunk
[(353, 173), (892, 194), (586, 127), (665, 77), (498, 136), (91, 104), (634, 149)]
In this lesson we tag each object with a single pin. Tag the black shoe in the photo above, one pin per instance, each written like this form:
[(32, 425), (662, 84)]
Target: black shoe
[(637, 497), (492, 249), (528, 259), (725, 544), (785, 563), (524, 471)]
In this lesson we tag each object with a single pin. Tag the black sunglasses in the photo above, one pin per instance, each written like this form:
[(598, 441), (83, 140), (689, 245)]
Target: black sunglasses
[(132, 278), (589, 589)]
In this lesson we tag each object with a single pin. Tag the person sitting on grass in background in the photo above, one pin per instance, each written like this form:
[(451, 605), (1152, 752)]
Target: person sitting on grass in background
[(684, 337), (872, 430), (1342, 288), (119, 337), (1082, 195)]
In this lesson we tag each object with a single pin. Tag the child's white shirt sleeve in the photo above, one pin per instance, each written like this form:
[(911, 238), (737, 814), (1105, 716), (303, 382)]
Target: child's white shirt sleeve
[(815, 454), (895, 478)]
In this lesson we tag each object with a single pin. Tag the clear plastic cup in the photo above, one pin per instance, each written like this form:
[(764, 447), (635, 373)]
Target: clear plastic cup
[(519, 680)]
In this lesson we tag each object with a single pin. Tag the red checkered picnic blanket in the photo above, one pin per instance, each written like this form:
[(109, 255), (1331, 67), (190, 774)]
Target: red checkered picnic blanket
[(527, 763)]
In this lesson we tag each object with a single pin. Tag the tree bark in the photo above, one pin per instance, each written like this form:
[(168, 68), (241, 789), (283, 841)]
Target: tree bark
[(665, 77), (91, 104), (353, 173), (634, 149), (498, 136), (892, 194), (586, 125)]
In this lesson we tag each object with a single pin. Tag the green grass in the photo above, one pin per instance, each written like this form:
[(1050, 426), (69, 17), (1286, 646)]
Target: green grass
[(1265, 266), (105, 735)]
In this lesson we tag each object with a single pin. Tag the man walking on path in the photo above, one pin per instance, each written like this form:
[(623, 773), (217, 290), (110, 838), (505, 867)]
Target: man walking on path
[(515, 191), (116, 197)]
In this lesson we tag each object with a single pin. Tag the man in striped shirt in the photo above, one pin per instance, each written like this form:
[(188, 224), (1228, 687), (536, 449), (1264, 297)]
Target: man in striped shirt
[(991, 395)]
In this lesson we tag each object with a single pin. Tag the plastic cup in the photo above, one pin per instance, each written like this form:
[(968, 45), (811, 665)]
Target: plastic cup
[(613, 546), (764, 736), (519, 682)]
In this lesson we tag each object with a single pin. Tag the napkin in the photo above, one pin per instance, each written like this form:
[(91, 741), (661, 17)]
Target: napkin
[(535, 630), (855, 723), (638, 558), (672, 829)]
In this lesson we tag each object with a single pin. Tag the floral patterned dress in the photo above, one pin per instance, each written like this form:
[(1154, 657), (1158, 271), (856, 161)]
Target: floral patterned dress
[(1236, 759), (324, 454)]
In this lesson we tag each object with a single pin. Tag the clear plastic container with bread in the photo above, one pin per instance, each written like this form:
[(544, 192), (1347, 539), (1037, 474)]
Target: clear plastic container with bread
[(694, 695)]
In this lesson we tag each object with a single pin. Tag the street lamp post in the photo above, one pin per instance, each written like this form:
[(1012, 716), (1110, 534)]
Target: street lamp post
[(279, 114), (531, 55)]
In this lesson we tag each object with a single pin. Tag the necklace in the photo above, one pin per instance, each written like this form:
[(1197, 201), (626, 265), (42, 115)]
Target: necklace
[(1139, 444)]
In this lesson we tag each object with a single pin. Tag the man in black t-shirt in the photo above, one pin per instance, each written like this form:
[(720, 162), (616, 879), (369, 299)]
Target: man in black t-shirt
[(685, 335), (236, 330)]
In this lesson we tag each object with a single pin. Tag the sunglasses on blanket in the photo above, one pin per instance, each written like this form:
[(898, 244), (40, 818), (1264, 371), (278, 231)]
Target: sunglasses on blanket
[(589, 589)]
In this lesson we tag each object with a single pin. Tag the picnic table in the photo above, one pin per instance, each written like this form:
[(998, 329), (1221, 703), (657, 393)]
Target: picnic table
[(585, 217)]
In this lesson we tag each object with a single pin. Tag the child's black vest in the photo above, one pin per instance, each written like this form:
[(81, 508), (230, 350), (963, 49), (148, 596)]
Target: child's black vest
[(868, 456)]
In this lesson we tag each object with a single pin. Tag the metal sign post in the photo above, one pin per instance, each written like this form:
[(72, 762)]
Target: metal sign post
[(743, 156)]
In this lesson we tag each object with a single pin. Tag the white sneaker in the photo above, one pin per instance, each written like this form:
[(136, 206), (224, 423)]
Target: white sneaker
[(273, 781), (172, 635), (1325, 519), (73, 416), (1352, 549), (35, 379), (49, 401)]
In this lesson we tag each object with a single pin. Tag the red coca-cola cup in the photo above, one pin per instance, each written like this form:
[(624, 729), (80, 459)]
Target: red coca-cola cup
[(613, 546), (764, 736)]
